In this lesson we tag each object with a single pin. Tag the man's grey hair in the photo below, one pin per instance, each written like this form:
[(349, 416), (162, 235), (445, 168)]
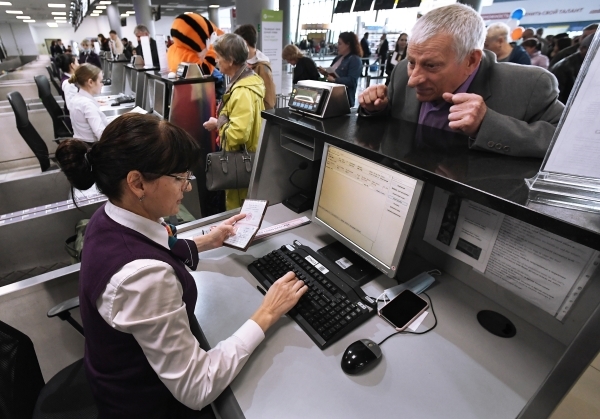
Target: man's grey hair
[(498, 30), (463, 23), (232, 47), (141, 29)]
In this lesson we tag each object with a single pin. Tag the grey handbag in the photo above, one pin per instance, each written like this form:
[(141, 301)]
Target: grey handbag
[(228, 169)]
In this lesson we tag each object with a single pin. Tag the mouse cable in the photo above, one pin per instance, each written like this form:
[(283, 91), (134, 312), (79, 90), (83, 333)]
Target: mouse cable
[(417, 333)]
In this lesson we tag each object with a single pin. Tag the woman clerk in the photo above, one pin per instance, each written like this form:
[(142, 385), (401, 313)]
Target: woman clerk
[(137, 297), (87, 119)]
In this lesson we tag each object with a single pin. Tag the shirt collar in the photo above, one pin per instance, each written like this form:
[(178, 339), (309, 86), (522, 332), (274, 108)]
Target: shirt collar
[(155, 231)]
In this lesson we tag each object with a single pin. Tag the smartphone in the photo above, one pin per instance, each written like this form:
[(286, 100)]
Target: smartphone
[(403, 310)]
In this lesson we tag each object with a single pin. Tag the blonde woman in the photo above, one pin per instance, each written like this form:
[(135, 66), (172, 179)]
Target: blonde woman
[(304, 67)]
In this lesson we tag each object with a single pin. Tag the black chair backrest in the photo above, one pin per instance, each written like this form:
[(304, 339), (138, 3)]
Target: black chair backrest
[(28, 131), (55, 72), (55, 82), (21, 379), (56, 113)]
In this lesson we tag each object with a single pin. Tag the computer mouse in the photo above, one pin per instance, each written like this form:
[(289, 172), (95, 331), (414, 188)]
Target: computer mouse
[(359, 355), (171, 75)]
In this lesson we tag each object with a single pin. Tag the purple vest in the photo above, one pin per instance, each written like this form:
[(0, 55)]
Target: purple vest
[(122, 381)]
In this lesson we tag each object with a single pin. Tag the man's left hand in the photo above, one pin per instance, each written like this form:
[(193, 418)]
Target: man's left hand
[(466, 113)]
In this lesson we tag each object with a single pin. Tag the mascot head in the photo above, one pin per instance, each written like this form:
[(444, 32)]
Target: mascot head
[(192, 38)]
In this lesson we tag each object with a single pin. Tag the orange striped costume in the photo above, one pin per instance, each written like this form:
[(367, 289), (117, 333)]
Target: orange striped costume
[(190, 33)]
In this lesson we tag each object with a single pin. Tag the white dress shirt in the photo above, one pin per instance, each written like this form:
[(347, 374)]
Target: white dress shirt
[(116, 46), (144, 299), (86, 118), (69, 89)]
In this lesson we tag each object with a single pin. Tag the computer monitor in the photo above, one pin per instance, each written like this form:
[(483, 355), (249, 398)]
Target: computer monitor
[(362, 5), (343, 6), (160, 94), (367, 207)]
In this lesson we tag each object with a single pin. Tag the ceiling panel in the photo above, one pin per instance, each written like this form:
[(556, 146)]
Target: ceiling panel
[(39, 11)]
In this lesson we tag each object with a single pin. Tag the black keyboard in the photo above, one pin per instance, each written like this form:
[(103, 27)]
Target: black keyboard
[(123, 99), (331, 308)]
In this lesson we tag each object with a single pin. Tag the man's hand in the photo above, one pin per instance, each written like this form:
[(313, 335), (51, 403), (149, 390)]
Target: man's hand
[(466, 113), (374, 98)]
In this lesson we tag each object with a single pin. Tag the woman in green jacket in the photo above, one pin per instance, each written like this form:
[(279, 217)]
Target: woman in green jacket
[(239, 119)]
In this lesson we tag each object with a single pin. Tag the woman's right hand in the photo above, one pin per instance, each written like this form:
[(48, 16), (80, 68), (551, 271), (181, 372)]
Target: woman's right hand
[(211, 124), (281, 298)]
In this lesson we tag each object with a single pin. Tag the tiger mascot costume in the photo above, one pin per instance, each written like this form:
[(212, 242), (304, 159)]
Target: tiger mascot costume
[(192, 36)]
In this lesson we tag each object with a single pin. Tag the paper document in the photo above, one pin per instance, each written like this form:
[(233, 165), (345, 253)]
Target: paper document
[(538, 266), (577, 147), (461, 228), (247, 227), (545, 269)]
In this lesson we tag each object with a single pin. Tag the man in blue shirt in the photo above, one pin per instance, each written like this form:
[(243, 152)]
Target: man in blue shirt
[(497, 42)]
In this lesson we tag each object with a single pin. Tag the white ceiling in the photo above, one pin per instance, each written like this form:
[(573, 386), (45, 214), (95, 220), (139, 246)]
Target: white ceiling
[(39, 11)]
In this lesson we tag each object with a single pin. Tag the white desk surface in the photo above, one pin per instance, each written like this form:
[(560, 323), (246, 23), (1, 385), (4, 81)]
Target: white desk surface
[(459, 370)]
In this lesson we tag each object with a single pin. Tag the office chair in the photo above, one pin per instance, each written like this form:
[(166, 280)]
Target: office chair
[(55, 72), (24, 395), (60, 122), (28, 131), (55, 82)]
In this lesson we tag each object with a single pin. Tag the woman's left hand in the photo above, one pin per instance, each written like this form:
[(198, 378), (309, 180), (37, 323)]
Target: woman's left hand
[(218, 234), (211, 124)]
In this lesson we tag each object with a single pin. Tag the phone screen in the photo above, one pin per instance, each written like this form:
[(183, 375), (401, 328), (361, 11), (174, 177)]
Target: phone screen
[(403, 308)]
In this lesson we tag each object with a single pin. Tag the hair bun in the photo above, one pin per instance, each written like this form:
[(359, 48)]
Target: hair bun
[(71, 156)]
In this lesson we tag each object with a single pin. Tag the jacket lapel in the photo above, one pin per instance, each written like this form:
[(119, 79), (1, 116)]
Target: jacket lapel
[(481, 83)]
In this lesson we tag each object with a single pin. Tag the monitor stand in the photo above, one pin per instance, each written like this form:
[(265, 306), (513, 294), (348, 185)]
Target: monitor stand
[(358, 269)]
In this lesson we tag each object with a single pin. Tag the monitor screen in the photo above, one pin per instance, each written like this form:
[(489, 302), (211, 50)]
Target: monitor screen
[(408, 3), (366, 206), (343, 6), (362, 5), (307, 99), (384, 4), (160, 90)]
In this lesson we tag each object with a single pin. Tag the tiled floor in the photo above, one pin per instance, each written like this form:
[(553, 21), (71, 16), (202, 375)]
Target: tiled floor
[(583, 401)]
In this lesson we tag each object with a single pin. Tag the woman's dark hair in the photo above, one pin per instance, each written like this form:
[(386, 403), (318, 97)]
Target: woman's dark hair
[(531, 43), (101, 37), (248, 32), (64, 61), (351, 39), (401, 35), (133, 141), (563, 43)]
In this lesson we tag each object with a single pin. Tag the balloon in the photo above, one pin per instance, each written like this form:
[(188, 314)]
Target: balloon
[(517, 33), (517, 14), (513, 24)]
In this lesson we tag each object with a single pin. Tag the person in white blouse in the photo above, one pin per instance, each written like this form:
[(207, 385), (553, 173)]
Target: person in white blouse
[(137, 299), (86, 118), (67, 63)]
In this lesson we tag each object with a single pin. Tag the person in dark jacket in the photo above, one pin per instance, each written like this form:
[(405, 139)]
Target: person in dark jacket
[(497, 41), (382, 52), (364, 45), (345, 68), (139, 31), (567, 49), (567, 69), (88, 55), (104, 43), (305, 68)]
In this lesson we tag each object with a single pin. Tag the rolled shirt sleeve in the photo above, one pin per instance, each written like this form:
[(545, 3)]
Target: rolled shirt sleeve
[(145, 299)]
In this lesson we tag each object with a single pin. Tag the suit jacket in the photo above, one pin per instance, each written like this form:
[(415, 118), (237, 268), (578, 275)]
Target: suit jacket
[(522, 101)]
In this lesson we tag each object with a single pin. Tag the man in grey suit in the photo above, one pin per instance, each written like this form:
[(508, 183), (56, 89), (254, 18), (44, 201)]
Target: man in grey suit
[(449, 82)]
